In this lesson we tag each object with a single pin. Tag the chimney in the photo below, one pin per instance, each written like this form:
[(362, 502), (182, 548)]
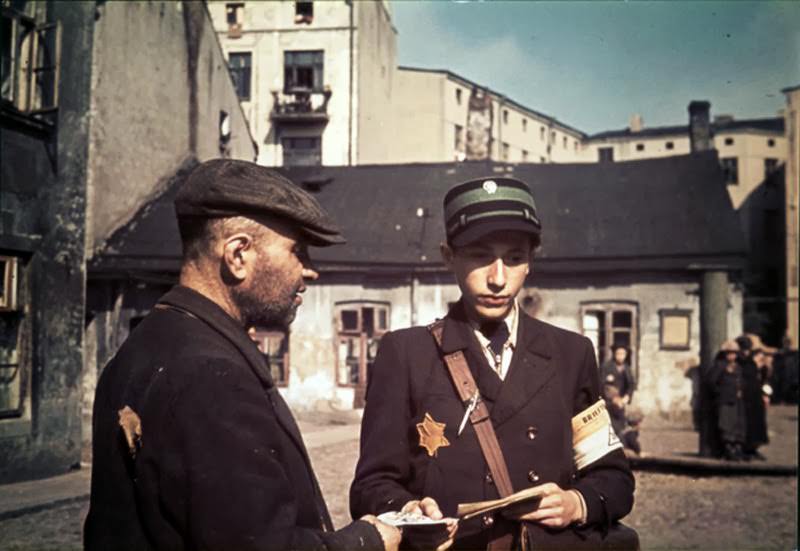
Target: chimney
[(699, 127), (635, 123)]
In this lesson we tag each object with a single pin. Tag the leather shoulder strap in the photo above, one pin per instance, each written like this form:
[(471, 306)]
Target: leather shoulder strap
[(481, 422)]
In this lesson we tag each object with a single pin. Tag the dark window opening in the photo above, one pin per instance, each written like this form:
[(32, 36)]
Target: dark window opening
[(730, 168), (770, 166), (606, 154), (458, 96), (728, 141), (505, 116), (302, 151), (524, 125), (359, 328), (639, 147), (770, 143), (669, 145), (303, 12), (240, 67), (274, 346), (609, 325), (303, 71)]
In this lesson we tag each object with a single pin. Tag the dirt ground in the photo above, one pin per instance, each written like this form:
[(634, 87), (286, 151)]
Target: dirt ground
[(672, 512)]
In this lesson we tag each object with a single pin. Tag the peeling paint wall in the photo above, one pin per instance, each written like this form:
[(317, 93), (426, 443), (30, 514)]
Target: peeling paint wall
[(159, 82), (44, 203)]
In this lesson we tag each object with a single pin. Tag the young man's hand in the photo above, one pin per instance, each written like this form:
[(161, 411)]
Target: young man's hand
[(558, 508), (390, 535), (427, 506)]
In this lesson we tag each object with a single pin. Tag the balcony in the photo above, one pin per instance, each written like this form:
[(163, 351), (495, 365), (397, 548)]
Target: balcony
[(300, 106)]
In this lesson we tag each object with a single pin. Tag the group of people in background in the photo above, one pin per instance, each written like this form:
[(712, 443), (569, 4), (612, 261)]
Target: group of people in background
[(739, 388)]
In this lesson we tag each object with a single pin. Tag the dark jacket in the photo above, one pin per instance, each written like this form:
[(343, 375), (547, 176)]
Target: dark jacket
[(731, 413), (222, 464), (623, 380), (755, 411), (553, 376)]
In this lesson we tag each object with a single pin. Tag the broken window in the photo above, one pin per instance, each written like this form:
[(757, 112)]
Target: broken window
[(302, 71), (610, 324), (239, 64), (302, 151), (675, 329), (303, 12), (730, 168), (29, 59), (274, 346), (359, 328)]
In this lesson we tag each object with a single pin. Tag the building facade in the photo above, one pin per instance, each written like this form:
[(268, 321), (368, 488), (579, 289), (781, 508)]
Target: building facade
[(314, 78), (75, 166), (657, 290)]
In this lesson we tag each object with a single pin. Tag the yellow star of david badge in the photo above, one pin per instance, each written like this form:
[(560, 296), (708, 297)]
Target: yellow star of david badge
[(431, 435)]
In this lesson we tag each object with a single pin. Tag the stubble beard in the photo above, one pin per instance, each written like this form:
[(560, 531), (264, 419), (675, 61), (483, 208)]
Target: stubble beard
[(268, 303)]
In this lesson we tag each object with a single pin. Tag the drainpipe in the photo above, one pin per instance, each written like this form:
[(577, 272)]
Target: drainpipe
[(350, 103)]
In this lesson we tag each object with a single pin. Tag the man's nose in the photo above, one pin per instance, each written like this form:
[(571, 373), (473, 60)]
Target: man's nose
[(309, 273), (497, 274)]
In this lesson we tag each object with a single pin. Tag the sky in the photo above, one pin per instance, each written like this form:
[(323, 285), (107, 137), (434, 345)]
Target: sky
[(593, 64)]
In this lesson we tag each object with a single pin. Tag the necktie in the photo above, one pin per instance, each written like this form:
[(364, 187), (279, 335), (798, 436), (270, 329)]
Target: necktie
[(497, 333)]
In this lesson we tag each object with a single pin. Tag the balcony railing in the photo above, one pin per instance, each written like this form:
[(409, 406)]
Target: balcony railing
[(300, 106)]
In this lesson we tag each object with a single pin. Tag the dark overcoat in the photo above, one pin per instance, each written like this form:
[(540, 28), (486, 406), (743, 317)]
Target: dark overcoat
[(221, 464), (731, 407), (553, 376), (754, 408)]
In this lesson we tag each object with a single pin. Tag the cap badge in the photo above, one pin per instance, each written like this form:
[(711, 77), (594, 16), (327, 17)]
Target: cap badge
[(490, 186), (431, 435)]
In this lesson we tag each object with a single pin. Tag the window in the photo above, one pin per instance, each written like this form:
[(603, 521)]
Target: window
[(610, 324), (29, 59), (524, 156), (11, 319), (576, 145), (669, 145), (359, 328), (524, 125), (302, 151), (728, 141), (541, 133), (505, 116), (458, 96), (239, 64), (730, 167), (302, 71), (770, 142), (274, 346), (552, 136), (675, 331), (504, 152), (564, 142), (770, 166), (458, 139), (234, 14), (605, 154), (639, 147), (303, 12)]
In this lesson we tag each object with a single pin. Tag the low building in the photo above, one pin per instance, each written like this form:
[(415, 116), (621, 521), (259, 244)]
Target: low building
[(86, 141), (645, 253)]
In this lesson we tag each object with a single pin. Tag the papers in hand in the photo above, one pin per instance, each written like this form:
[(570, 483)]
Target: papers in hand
[(469, 510), (400, 519)]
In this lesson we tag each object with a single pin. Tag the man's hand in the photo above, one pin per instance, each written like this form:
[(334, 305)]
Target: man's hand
[(390, 535), (558, 508), (428, 507)]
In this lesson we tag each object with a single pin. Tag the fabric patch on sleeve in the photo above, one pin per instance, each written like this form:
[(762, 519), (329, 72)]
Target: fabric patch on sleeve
[(593, 436)]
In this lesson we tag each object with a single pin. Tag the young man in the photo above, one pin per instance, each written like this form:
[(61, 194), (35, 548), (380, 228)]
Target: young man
[(194, 448), (419, 450), (617, 372)]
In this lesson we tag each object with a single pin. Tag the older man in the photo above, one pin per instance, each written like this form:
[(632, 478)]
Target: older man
[(194, 448), (490, 401)]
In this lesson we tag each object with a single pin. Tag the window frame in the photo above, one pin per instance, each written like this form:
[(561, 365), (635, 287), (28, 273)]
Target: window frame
[(609, 307), (242, 70), (261, 336), (731, 172), (317, 67), (344, 334), (663, 314), (317, 156)]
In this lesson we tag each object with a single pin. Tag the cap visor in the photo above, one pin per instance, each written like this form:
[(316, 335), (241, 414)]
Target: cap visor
[(477, 230), (321, 239)]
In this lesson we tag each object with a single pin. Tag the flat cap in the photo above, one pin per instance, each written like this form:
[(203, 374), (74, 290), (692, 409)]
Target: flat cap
[(228, 187), (479, 207)]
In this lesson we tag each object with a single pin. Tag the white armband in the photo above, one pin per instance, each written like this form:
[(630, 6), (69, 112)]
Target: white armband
[(593, 436)]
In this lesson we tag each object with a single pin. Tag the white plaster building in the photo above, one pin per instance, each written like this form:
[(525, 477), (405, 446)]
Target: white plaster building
[(314, 78)]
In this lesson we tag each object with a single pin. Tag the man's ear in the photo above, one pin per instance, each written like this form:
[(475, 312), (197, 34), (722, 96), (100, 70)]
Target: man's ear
[(447, 255), (237, 255)]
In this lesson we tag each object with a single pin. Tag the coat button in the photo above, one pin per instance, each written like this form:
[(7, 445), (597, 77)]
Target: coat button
[(487, 520), (533, 476), (489, 479), (532, 432)]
